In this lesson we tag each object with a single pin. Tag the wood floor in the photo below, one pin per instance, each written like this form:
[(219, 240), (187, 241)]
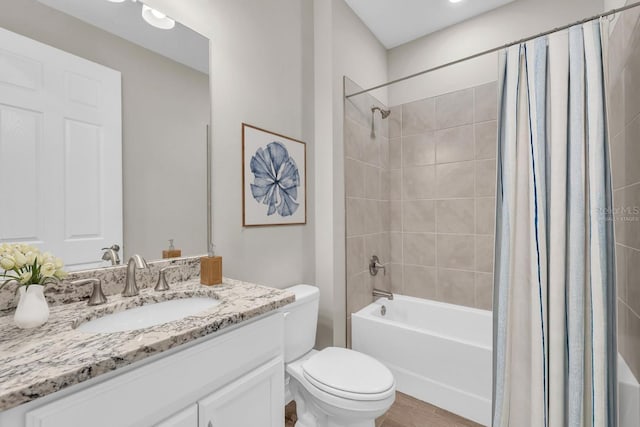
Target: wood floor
[(410, 412), (405, 412)]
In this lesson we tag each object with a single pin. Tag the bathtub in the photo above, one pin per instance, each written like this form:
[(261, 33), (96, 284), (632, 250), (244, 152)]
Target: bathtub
[(439, 353), (628, 396)]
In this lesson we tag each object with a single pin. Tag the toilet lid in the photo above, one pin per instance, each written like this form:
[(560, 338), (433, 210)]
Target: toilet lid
[(342, 370)]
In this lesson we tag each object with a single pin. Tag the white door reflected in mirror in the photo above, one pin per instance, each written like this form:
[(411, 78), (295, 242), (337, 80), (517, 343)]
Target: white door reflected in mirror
[(61, 133)]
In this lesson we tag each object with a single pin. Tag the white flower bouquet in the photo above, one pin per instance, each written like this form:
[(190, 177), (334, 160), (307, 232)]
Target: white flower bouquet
[(28, 266)]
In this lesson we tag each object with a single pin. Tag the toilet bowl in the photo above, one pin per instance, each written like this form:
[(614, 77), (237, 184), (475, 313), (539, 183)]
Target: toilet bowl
[(334, 387)]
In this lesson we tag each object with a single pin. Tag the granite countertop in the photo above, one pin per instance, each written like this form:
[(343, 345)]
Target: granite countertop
[(40, 361)]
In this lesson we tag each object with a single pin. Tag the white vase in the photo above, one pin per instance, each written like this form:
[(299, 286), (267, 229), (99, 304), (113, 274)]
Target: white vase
[(33, 309)]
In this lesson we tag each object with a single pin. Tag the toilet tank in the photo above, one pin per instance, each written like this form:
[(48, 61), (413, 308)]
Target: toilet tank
[(300, 322)]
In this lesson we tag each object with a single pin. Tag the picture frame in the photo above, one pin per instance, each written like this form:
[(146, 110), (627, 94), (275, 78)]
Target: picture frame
[(274, 181)]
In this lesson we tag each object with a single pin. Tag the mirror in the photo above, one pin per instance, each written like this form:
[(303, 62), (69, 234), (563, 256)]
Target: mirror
[(103, 122)]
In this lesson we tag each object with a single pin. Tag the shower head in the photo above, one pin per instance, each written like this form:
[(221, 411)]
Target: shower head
[(383, 113)]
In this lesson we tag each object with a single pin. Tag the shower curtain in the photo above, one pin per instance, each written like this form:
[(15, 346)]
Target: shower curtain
[(554, 291)]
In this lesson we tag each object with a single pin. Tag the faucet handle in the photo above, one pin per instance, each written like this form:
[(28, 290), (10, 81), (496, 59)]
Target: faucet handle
[(375, 265), (114, 247), (97, 296), (162, 284)]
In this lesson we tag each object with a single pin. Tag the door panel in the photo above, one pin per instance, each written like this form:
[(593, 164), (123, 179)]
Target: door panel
[(83, 189), (20, 71), (20, 174), (83, 90)]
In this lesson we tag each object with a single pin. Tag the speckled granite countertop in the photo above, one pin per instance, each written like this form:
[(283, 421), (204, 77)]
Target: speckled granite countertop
[(37, 362)]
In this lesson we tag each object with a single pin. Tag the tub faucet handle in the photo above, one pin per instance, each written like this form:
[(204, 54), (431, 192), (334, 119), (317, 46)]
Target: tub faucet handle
[(375, 266)]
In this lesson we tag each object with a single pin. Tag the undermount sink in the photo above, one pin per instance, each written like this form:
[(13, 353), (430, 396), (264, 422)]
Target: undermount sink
[(148, 315)]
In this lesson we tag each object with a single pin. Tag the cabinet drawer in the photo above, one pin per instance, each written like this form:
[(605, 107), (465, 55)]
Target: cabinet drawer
[(150, 393)]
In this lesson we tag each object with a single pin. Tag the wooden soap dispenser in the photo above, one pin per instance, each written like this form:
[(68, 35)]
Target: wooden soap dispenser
[(172, 252), (211, 269)]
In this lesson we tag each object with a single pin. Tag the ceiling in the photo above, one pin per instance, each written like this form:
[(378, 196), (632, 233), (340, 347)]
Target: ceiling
[(181, 44), (395, 22)]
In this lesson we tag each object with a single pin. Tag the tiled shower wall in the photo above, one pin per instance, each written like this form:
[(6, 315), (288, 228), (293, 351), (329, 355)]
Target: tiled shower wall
[(367, 197), (442, 161), (624, 129), (421, 196)]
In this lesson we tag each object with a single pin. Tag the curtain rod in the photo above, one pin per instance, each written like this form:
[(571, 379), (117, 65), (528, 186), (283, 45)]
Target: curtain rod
[(496, 49)]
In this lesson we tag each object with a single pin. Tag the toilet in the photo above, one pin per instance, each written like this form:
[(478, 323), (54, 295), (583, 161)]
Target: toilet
[(334, 387)]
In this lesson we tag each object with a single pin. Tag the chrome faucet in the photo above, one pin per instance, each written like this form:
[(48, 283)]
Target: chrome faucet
[(384, 294), (111, 254), (130, 287)]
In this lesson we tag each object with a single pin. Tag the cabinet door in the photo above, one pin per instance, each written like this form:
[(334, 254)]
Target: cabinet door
[(188, 417), (255, 399)]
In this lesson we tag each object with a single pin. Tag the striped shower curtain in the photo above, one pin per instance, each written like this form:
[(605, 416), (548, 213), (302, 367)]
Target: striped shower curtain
[(554, 291)]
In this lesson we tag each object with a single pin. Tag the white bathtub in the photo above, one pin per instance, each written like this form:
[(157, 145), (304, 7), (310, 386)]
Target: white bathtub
[(628, 396), (439, 353)]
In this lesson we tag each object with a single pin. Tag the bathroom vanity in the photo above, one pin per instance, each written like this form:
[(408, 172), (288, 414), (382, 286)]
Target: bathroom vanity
[(221, 367), (124, 103)]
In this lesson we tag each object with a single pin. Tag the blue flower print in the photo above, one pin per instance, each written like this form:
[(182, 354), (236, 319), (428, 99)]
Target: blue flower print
[(276, 179)]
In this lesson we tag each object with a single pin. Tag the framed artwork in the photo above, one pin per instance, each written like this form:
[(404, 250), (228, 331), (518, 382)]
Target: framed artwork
[(274, 180)]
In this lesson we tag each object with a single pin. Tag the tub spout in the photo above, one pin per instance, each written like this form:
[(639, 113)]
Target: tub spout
[(384, 294)]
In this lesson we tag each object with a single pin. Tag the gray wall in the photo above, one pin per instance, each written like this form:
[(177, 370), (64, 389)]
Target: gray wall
[(505, 24), (279, 65), (356, 53), (624, 130), (262, 74), (165, 110)]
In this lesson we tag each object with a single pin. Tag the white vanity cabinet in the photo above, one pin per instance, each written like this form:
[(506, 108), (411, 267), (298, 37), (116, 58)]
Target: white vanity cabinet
[(233, 379)]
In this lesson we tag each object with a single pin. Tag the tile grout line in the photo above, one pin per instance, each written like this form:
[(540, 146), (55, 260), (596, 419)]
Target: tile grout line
[(465, 270), (629, 308), (628, 247), (626, 186)]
